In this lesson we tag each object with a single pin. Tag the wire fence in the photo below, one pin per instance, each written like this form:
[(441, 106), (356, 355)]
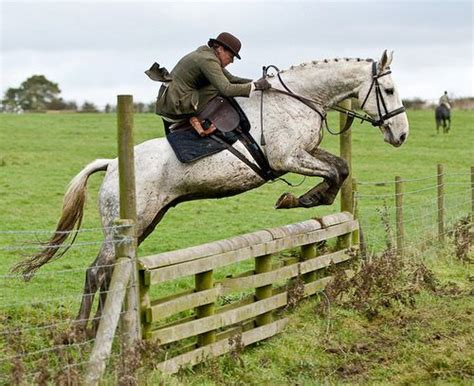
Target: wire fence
[(421, 210), (40, 336), (42, 341)]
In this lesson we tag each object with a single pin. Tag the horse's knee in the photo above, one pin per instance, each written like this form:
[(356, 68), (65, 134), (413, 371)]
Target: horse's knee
[(343, 170)]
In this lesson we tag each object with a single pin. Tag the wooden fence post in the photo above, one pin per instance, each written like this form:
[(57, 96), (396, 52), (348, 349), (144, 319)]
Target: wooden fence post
[(355, 212), (472, 193), (123, 268), (308, 252), (345, 149), (204, 281), (128, 210), (399, 214), (263, 264), (441, 209)]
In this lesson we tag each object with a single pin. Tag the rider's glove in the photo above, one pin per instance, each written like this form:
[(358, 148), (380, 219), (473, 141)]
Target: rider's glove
[(262, 84)]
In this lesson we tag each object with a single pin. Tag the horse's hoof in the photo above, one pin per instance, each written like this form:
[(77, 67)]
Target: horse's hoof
[(287, 201)]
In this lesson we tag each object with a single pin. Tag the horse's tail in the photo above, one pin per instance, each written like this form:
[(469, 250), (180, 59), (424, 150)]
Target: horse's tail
[(71, 217)]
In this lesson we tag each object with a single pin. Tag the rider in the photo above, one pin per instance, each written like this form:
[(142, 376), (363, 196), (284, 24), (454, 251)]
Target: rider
[(444, 100), (200, 76)]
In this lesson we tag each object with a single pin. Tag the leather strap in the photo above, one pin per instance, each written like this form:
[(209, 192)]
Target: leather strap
[(261, 173)]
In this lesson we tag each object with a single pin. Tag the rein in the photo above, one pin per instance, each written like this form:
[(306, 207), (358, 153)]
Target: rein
[(351, 114)]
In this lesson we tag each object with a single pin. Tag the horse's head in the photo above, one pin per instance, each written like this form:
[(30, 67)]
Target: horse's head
[(378, 97)]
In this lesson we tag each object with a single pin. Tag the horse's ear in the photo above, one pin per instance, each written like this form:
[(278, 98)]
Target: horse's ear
[(385, 60)]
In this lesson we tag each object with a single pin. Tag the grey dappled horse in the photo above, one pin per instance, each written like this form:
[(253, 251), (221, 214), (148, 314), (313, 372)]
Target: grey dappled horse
[(292, 130), (443, 118)]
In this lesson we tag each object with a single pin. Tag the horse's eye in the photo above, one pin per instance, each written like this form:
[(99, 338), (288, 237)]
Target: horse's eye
[(389, 91)]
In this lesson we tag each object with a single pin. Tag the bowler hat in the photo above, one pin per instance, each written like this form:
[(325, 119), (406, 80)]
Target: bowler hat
[(228, 41)]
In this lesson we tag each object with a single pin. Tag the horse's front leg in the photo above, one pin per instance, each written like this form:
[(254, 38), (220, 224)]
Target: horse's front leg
[(318, 163)]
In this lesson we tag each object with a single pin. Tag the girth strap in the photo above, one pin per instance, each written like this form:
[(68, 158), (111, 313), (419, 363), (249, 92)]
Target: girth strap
[(262, 168)]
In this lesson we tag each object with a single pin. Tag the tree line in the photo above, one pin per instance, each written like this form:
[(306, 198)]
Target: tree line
[(39, 94)]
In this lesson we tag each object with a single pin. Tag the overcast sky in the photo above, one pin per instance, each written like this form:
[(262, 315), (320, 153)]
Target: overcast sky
[(96, 50)]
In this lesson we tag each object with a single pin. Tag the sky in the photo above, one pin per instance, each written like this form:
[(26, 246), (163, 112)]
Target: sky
[(96, 50)]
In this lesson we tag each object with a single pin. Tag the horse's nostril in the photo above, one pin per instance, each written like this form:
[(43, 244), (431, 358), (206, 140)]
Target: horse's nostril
[(402, 138)]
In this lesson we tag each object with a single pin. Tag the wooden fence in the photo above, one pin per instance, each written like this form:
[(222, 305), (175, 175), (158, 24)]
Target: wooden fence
[(207, 323)]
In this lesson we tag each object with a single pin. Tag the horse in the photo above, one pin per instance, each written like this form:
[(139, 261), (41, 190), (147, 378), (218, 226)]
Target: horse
[(292, 131), (443, 118)]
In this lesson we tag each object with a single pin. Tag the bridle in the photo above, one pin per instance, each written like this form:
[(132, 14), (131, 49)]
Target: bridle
[(380, 101), (351, 114)]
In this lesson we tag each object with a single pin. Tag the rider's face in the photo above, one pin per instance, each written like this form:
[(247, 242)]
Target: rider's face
[(226, 57)]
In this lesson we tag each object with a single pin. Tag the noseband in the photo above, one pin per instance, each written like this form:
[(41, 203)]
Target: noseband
[(351, 114)]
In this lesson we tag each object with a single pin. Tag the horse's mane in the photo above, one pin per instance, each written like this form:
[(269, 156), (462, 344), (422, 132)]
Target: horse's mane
[(326, 61)]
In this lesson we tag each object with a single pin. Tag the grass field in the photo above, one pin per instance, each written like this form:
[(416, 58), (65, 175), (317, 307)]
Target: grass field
[(429, 342)]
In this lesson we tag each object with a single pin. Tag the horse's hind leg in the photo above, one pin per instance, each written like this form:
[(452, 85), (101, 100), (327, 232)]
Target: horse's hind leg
[(106, 277), (319, 163), (95, 276)]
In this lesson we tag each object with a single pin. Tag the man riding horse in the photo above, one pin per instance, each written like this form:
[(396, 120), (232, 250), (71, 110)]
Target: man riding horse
[(199, 77), (443, 113), (444, 100)]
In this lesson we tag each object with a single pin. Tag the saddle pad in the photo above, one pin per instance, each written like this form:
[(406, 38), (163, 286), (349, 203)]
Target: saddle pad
[(189, 146)]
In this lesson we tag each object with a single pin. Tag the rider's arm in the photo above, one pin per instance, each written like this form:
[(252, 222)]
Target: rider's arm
[(215, 75), (235, 79)]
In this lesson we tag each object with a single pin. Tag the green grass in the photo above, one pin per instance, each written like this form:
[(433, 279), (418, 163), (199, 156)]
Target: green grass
[(40, 153)]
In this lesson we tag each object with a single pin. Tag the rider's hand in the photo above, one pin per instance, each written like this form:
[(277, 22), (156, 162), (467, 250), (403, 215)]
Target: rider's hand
[(262, 84), (209, 131)]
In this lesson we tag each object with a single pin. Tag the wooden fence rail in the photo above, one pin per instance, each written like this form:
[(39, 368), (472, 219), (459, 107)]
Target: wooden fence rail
[(260, 292)]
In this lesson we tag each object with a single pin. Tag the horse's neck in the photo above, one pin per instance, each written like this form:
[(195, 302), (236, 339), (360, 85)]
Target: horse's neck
[(328, 82)]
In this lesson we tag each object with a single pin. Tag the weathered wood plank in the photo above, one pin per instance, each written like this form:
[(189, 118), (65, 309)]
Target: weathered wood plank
[(287, 272), (204, 250), (324, 261), (294, 229), (221, 347), (334, 219), (189, 301), (220, 260), (196, 327), (238, 242), (109, 320), (316, 286)]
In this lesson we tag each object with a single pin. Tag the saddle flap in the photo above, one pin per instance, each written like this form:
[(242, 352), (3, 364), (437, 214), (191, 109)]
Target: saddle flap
[(220, 112)]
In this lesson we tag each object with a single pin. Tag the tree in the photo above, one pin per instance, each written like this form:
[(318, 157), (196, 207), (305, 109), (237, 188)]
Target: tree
[(139, 107), (71, 105), (11, 101), (57, 104), (34, 94), (89, 107), (151, 107), (61, 104)]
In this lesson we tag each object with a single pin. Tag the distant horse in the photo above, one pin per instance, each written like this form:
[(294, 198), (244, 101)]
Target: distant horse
[(443, 117), (292, 130)]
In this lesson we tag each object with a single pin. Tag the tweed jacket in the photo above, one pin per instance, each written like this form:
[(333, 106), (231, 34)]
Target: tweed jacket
[(196, 79)]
